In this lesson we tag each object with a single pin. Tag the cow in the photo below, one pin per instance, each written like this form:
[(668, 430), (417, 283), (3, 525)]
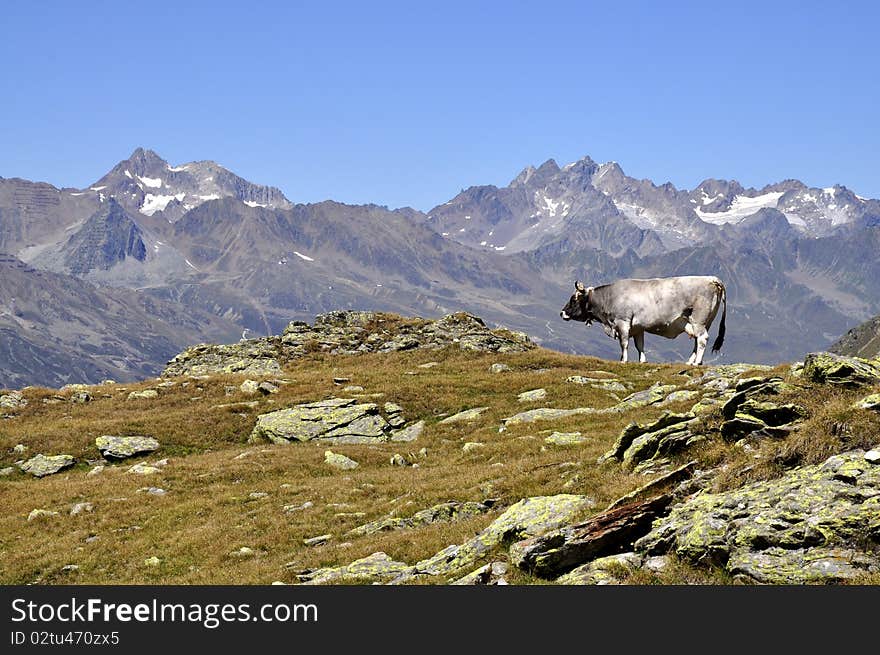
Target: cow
[(665, 306)]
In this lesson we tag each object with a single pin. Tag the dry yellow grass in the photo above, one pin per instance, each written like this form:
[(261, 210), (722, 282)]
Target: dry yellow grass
[(208, 512)]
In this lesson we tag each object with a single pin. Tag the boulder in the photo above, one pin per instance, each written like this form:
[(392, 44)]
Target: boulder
[(113, 447), (814, 524), (602, 571), (409, 433), (499, 368), (373, 568), (12, 400), (341, 420), (42, 465), (146, 394), (839, 370), (339, 461), (249, 387), (489, 574)]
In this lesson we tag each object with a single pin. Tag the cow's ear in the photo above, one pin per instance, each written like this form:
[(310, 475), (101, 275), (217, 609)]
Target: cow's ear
[(589, 291), (578, 286)]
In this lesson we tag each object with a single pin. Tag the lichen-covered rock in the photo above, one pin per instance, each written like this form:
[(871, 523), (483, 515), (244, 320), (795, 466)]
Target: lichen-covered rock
[(840, 370), (12, 400), (465, 415), (144, 469), (544, 414), (375, 567), (532, 396), (339, 461), (869, 402), (440, 513), (42, 465), (113, 447), (565, 439), (528, 517), (409, 433), (642, 441), (604, 570), (146, 394), (258, 357), (611, 386), (490, 574), (816, 523), (678, 396), (654, 394), (41, 514), (341, 420)]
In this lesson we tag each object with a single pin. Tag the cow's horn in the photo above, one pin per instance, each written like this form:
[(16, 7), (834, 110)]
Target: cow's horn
[(579, 286)]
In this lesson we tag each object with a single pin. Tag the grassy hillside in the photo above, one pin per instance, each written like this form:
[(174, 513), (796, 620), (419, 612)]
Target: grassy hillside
[(223, 493)]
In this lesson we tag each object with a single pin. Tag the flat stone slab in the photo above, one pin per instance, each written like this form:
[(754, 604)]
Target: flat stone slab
[(146, 394), (466, 415), (113, 447), (532, 396), (42, 465), (545, 414), (565, 439), (342, 420)]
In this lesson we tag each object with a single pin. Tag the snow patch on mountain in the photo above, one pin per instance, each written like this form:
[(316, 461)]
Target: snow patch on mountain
[(741, 207)]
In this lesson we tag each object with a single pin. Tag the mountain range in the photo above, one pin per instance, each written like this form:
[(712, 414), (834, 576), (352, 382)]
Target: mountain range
[(193, 252)]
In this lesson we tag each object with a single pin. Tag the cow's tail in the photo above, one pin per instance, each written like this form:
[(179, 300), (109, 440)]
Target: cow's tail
[(719, 340)]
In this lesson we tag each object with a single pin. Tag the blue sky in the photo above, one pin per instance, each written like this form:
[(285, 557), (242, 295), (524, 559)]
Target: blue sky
[(406, 103)]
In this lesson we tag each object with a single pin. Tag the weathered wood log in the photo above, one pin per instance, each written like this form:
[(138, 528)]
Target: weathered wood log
[(608, 533)]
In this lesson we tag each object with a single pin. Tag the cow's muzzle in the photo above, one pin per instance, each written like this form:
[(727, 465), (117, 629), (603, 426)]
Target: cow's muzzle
[(565, 317)]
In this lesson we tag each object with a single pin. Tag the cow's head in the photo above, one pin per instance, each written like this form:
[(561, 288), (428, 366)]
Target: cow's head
[(578, 307)]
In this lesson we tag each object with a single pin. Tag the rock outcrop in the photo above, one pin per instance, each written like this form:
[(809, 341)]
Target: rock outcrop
[(840, 370), (346, 333), (814, 524)]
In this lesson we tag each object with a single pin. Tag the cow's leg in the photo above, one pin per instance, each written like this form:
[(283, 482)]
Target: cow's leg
[(623, 338), (693, 358), (700, 342), (639, 341)]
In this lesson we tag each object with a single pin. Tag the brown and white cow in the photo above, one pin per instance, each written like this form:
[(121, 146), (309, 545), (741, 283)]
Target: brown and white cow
[(666, 306)]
